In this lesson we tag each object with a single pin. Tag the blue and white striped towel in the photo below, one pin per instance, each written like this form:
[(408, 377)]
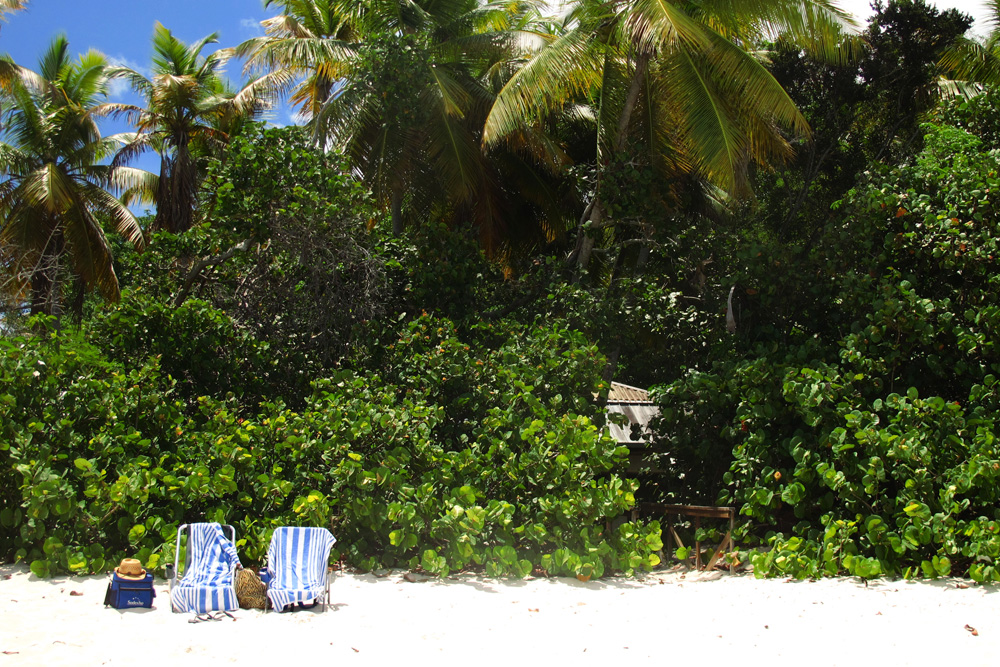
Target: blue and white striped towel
[(297, 561), (208, 583)]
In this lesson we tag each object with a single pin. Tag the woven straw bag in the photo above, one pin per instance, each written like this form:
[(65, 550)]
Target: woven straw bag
[(250, 590)]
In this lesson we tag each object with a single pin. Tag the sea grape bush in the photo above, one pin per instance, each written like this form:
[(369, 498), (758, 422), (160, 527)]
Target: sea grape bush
[(98, 463), (900, 486), (861, 437), (69, 422)]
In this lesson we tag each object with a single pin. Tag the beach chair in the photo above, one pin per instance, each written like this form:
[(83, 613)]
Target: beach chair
[(297, 567), (210, 562)]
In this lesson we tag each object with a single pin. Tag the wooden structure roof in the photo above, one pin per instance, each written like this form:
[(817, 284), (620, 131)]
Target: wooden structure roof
[(634, 403)]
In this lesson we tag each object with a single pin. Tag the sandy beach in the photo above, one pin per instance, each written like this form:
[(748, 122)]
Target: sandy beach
[(660, 618)]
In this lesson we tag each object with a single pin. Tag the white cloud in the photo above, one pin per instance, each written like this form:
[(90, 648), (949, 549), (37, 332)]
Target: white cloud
[(251, 27), (118, 89), (122, 61), (297, 117)]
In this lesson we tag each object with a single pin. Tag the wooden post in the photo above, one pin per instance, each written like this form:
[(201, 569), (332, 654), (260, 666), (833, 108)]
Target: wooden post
[(698, 512), (732, 545), (697, 543)]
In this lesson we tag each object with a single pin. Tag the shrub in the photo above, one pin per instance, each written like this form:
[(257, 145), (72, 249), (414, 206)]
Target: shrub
[(859, 433), (103, 463)]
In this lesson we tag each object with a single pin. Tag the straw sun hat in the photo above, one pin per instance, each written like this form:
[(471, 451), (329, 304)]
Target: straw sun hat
[(130, 568)]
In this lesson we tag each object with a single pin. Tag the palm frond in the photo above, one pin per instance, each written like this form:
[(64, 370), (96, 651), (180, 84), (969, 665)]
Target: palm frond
[(952, 88), (707, 116), (89, 251), (136, 81), (660, 25), (130, 112), (744, 78), (456, 152), (567, 70), (968, 60), (120, 218)]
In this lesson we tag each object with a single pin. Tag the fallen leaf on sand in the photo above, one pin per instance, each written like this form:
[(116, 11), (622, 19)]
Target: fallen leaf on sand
[(7, 576), (75, 593), (972, 630), (410, 578), (530, 609), (961, 585), (355, 650)]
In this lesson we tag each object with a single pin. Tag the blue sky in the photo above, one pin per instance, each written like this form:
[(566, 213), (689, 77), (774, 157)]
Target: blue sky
[(123, 30)]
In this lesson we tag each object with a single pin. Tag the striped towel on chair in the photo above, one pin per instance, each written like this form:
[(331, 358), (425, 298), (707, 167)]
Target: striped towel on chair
[(208, 583), (297, 561)]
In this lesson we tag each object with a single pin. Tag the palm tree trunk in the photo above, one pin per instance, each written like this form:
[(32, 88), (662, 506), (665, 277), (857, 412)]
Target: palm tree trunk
[(176, 191), (641, 65), (587, 242), (163, 219), (41, 291), (44, 287), (397, 212), (79, 294), (647, 241), (185, 178), (597, 210)]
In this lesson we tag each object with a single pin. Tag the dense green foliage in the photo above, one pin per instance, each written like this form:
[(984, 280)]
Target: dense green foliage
[(823, 352), (868, 443), (103, 461)]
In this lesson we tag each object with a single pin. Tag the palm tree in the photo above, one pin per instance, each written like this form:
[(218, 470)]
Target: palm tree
[(8, 6), (54, 198), (305, 49), (7, 68), (188, 108), (708, 106), (972, 62), (414, 81)]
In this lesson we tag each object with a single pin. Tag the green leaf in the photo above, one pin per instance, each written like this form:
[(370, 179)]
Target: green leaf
[(40, 568), (77, 563), (136, 533)]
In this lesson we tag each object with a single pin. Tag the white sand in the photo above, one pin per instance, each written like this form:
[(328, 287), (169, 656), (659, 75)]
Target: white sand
[(665, 618)]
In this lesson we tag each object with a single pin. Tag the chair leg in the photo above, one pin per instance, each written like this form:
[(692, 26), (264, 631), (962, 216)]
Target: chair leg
[(326, 598)]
